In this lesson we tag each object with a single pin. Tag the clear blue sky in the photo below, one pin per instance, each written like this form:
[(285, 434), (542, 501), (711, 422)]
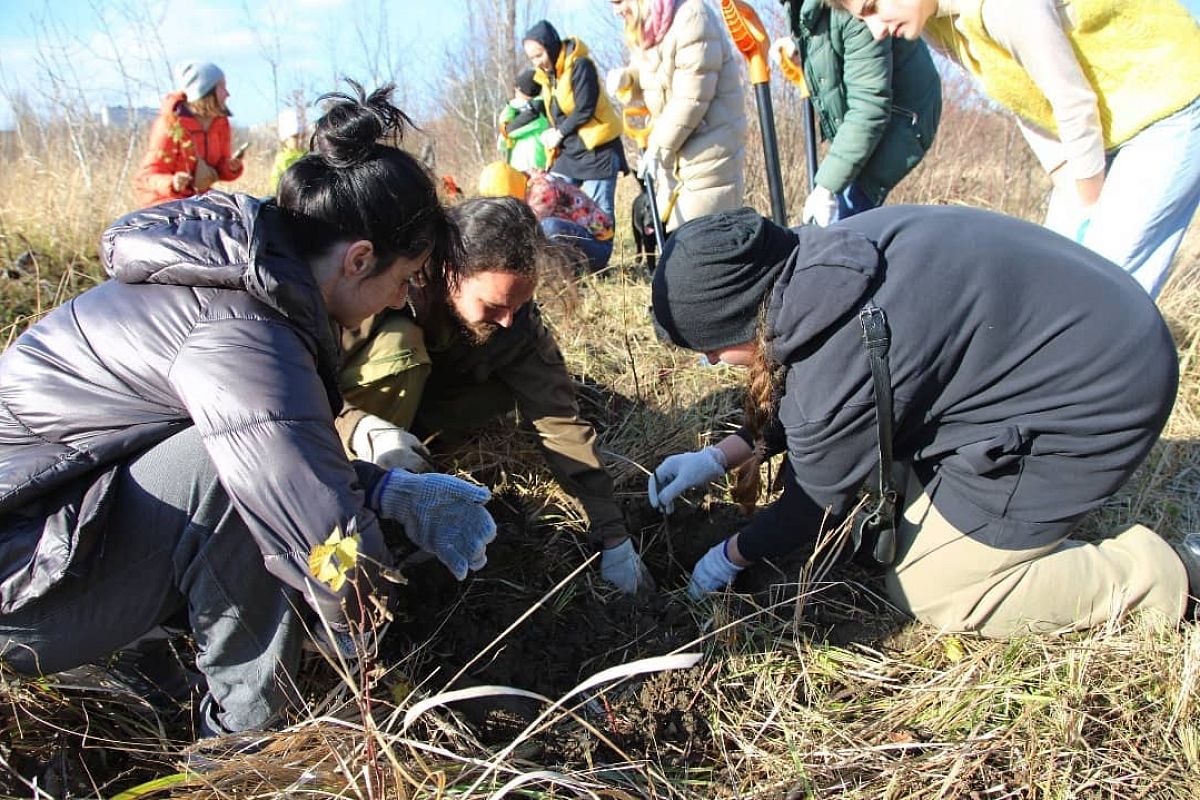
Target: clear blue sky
[(103, 51)]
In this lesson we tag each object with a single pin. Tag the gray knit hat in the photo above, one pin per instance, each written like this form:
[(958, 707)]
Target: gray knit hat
[(714, 275), (198, 78)]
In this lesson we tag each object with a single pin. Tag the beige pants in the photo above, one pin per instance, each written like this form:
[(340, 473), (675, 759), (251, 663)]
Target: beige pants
[(947, 579)]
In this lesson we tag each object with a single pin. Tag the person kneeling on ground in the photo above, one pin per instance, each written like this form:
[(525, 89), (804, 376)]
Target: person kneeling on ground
[(167, 439), (1030, 378), (566, 214), (469, 349)]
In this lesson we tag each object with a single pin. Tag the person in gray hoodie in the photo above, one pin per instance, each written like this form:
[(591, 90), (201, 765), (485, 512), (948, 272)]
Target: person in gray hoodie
[(1030, 378), (167, 441)]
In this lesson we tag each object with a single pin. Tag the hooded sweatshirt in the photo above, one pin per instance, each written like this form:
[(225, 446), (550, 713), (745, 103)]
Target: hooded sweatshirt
[(1030, 375)]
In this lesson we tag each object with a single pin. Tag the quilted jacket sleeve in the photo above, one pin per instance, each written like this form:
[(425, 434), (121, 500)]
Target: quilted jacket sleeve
[(252, 388), (693, 79), (867, 76)]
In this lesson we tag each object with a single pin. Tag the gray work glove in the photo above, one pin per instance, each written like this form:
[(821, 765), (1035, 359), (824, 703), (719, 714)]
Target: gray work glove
[(683, 471), (442, 515), (389, 446), (621, 566), (713, 572)]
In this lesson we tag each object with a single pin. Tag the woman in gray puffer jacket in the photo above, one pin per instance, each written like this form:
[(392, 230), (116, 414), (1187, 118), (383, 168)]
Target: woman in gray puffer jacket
[(167, 447)]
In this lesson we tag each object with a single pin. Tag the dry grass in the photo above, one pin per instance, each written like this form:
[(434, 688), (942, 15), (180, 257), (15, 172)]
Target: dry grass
[(826, 694)]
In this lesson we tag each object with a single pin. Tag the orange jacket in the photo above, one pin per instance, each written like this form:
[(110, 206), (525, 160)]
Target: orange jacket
[(176, 142)]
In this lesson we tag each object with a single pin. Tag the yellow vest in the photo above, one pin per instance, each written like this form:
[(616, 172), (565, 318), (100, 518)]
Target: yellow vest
[(605, 125), (1141, 57)]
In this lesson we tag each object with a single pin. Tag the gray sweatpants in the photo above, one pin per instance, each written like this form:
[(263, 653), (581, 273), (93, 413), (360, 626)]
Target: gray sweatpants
[(173, 542)]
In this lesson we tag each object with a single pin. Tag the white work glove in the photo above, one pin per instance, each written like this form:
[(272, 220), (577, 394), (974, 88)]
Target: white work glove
[(648, 164), (616, 81), (783, 48), (821, 207), (621, 566), (683, 471), (713, 572), (391, 447), (550, 138), (442, 515)]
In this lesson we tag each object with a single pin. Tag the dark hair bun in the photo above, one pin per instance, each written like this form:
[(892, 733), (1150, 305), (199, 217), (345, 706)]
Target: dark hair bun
[(354, 124)]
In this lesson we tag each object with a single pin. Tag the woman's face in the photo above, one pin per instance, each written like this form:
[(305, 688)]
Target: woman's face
[(625, 9), (354, 294), (221, 92), (537, 56), (904, 19), (735, 355)]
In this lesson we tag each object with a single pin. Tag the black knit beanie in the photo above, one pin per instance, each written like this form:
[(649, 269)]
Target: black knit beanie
[(528, 86), (714, 275), (544, 34)]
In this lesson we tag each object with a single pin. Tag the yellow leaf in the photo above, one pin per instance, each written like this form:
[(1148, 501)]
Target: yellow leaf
[(954, 648), (329, 562)]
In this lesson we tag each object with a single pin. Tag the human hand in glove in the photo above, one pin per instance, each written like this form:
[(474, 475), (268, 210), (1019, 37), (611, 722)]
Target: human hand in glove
[(617, 80), (442, 515), (821, 207), (550, 138), (621, 566), (683, 471), (648, 165), (713, 572), (337, 645), (389, 446)]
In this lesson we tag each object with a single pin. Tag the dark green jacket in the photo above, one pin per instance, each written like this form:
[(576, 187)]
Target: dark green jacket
[(879, 102)]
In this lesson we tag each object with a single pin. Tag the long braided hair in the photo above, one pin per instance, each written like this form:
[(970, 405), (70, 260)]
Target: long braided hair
[(763, 392)]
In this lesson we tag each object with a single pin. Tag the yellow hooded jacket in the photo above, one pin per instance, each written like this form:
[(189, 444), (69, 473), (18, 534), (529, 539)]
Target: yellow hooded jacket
[(605, 125)]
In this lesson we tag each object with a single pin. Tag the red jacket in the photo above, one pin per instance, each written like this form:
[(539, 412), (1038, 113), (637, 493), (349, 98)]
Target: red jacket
[(176, 142)]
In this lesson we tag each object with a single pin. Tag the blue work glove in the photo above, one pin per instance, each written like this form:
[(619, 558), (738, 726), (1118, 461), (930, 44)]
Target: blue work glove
[(713, 572), (683, 471), (441, 514), (621, 566), (331, 643)]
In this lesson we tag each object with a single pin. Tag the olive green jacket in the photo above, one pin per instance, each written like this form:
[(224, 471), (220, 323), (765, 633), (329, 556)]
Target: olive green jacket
[(879, 102), (415, 369)]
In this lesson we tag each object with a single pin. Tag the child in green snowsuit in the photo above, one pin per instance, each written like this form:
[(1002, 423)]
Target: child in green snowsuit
[(521, 124)]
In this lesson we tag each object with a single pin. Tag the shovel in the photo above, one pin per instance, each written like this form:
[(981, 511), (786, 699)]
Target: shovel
[(637, 127), (750, 38), (794, 73)]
